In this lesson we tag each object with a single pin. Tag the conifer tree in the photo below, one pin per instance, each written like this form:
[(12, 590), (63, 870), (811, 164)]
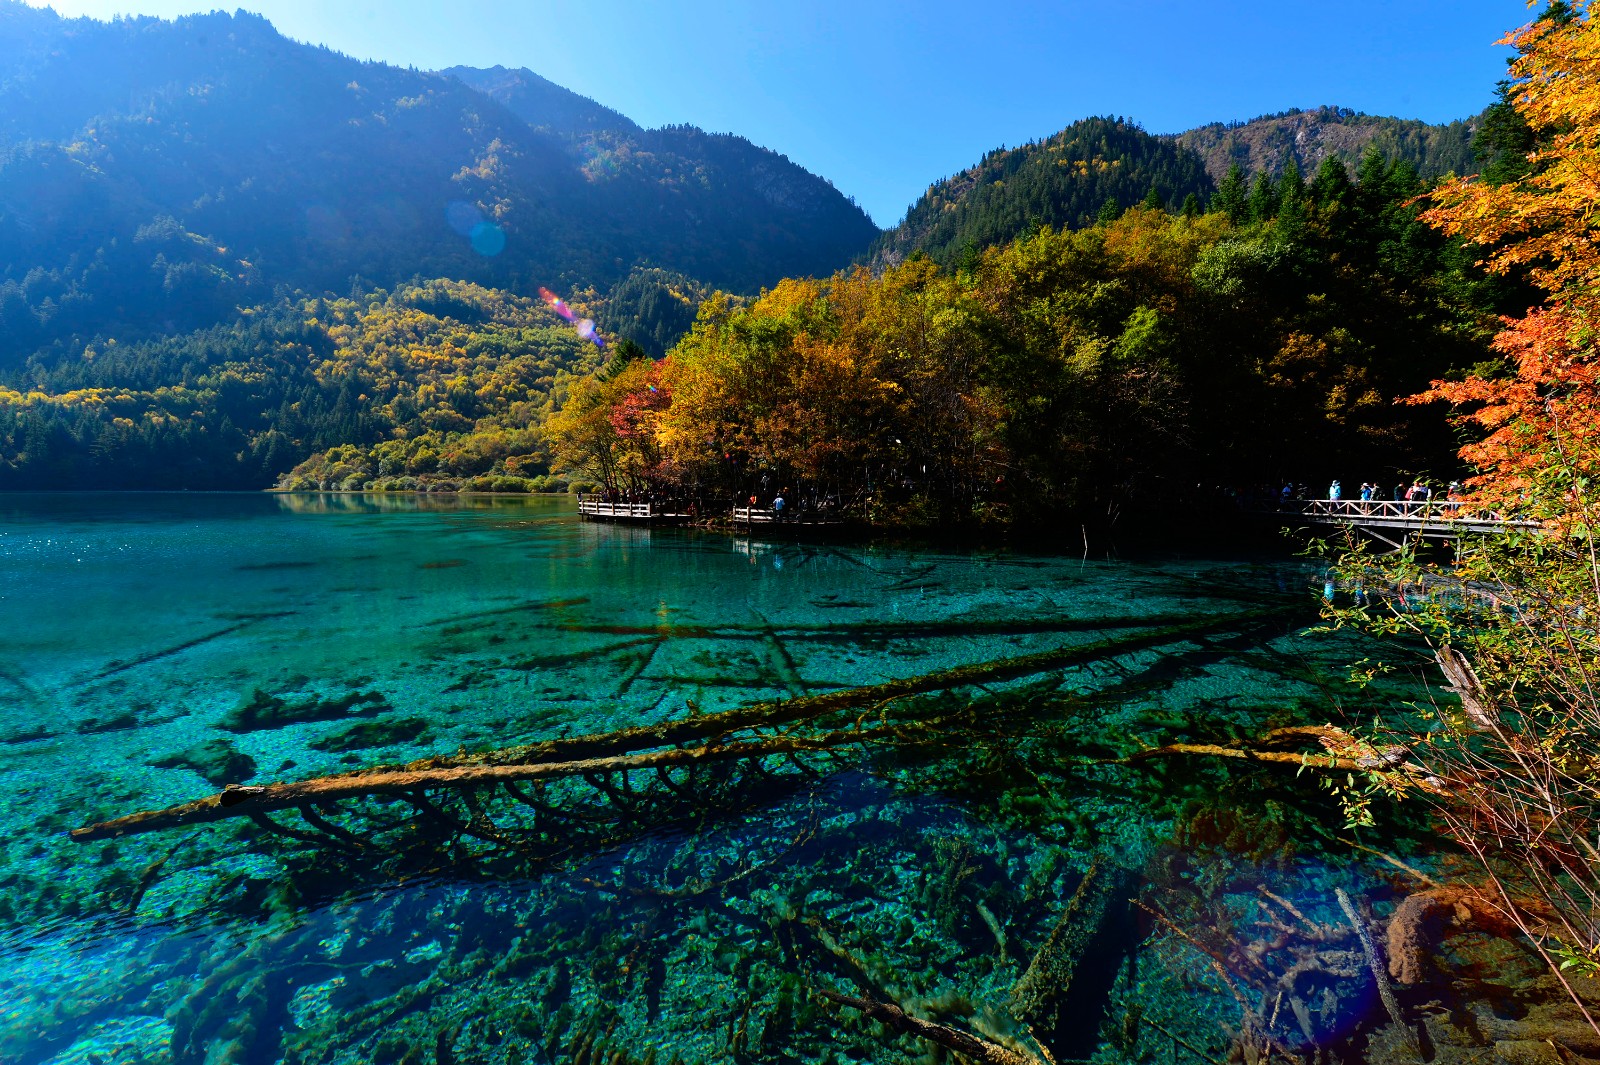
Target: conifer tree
[(1231, 198), (1292, 188), (1331, 186), (1263, 198)]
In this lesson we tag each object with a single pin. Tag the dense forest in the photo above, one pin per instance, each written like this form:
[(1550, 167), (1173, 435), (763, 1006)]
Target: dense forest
[(438, 383), (1093, 168), (1070, 371)]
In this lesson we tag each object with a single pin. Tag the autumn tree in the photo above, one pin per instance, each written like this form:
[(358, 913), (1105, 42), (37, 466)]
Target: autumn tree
[(1513, 768)]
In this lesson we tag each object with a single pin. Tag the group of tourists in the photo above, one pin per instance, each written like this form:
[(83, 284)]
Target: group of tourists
[(1419, 491)]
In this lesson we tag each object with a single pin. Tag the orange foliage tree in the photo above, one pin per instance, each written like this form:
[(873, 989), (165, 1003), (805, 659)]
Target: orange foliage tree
[(1514, 767), (1542, 450)]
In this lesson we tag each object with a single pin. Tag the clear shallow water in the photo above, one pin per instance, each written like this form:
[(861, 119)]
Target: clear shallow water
[(137, 627)]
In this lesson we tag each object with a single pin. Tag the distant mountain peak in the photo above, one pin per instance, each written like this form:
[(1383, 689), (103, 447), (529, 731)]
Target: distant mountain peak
[(540, 102), (1062, 180)]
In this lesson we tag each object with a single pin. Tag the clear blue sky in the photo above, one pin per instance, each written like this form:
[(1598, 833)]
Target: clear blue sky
[(885, 97)]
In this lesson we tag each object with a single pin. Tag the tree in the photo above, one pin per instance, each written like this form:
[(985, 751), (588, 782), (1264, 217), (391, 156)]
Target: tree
[(1264, 198), (1330, 188), (1513, 769), (1232, 197)]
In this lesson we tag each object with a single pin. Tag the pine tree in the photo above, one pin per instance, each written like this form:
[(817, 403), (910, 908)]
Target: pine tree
[(1331, 186), (1263, 198), (1153, 200), (1292, 187), (1231, 198)]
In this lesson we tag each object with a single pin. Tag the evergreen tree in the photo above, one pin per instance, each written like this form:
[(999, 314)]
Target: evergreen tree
[(1152, 199), (1192, 207), (627, 351), (1110, 211), (1231, 198), (1331, 186), (1263, 198), (1292, 187)]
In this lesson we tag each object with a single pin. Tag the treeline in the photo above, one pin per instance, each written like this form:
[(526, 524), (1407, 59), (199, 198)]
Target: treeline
[(1068, 371), (437, 384)]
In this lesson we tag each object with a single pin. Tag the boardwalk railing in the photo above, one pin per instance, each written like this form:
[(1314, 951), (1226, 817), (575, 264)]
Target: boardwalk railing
[(1435, 517), (590, 507), (754, 515)]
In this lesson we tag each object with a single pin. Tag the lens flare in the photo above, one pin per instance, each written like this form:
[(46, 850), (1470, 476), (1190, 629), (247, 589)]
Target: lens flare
[(584, 328), (463, 217), (557, 304), (488, 239)]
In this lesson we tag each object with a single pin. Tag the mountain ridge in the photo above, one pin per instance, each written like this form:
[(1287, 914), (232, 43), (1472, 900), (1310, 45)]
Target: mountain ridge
[(1307, 137), (156, 174)]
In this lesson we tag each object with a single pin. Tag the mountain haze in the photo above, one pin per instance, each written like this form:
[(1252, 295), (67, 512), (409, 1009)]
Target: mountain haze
[(154, 175)]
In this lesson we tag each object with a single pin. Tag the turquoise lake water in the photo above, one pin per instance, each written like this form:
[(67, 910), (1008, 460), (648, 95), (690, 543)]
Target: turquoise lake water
[(140, 630)]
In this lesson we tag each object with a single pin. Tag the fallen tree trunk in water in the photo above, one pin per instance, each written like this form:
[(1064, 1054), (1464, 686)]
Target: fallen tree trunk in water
[(969, 1046), (244, 801), (630, 748), (1342, 751), (1050, 998)]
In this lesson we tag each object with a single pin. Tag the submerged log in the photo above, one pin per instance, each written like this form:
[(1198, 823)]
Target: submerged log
[(631, 748), (1050, 998), (813, 707), (897, 1019), (1341, 751), (255, 801)]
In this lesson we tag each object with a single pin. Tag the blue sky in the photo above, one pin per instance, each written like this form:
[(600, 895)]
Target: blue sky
[(883, 98)]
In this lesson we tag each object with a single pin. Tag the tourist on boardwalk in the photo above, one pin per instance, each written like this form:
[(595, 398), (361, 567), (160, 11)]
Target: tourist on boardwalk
[(1334, 491), (1368, 491), (777, 508)]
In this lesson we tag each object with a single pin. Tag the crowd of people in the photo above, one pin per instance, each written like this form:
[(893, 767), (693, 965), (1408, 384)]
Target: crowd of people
[(1289, 493), (1419, 491)]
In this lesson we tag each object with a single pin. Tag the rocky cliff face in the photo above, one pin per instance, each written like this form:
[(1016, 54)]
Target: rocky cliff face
[(1308, 137)]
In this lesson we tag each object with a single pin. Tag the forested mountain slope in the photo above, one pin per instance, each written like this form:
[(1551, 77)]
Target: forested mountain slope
[(1064, 182), (155, 175), (1306, 138)]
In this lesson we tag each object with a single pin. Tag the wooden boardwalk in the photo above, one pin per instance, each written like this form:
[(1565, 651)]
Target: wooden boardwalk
[(1438, 519), (636, 513), (766, 516)]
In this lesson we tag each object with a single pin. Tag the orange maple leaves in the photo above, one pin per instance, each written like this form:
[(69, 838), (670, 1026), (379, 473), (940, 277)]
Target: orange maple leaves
[(1542, 450)]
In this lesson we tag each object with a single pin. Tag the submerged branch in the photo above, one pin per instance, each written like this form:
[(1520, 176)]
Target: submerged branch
[(255, 802), (893, 1017), (689, 741)]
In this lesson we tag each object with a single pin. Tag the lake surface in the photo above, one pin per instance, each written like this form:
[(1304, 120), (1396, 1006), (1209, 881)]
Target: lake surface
[(157, 647)]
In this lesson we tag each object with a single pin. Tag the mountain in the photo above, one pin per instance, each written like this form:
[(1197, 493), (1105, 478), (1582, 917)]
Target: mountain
[(541, 103), (155, 175), (1063, 181), (1270, 142)]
